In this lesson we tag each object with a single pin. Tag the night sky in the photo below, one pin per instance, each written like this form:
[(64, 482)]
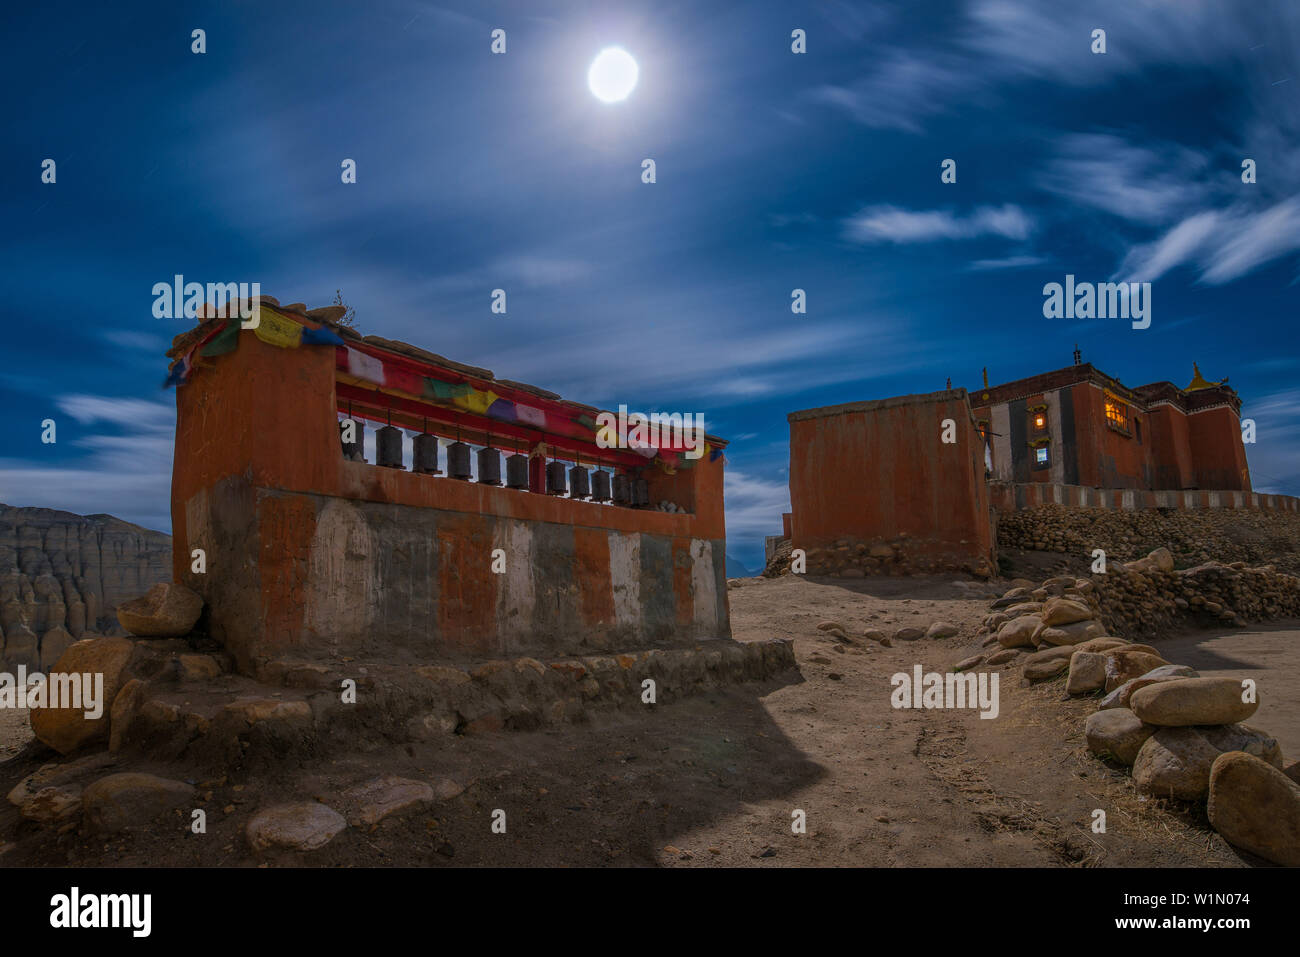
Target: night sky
[(775, 171)]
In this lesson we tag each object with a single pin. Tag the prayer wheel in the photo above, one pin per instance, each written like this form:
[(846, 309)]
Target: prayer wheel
[(458, 461), (579, 482), (622, 490), (388, 447), (600, 486), (555, 483), (424, 454), (517, 472), (489, 466), (353, 451)]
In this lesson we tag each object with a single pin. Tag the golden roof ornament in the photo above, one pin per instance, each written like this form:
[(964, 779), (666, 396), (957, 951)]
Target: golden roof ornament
[(1200, 382)]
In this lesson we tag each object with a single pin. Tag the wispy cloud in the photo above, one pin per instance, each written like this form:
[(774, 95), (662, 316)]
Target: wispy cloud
[(1226, 245), (901, 91), (140, 341), (1275, 457), (127, 474), (1010, 262), (1148, 184), (878, 224), (754, 505)]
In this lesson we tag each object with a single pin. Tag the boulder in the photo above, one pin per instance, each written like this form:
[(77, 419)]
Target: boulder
[(1160, 560), (1045, 668), (1048, 663), (168, 610), (67, 729), (941, 629), (1117, 734), (377, 799), (1176, 762), (1124, 664), (1052, 653), (58, 775), (1065, 611), (1025, 608), (1087, 672), (1119, 697), (1003, 656), (908, 634), (1146, 649), (1255, 807), (52, 805), (1192, 701), (299, 827), (1019, 633), (198, 667), (1073, 633), (126, 705), (121, 801), (1100, 644), (967, 663)]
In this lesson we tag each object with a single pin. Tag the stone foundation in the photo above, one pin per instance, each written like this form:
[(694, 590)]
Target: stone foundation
[(196, 710), (859, 558)]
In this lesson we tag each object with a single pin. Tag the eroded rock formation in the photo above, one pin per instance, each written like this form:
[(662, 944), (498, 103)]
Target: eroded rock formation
[(62, 577)]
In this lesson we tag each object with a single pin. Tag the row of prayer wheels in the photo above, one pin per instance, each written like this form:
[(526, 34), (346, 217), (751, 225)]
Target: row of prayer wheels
[(576, 481)]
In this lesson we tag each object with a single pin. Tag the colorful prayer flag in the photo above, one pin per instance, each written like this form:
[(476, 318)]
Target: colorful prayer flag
[(276, 330), (324, 336), (363, 366), (227, 340), (530, 416)]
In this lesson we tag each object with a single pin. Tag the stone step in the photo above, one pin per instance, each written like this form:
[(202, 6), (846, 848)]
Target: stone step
[(228, 719)]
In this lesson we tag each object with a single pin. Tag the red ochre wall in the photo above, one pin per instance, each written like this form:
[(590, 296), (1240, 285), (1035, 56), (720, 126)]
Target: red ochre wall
[(311, 556), (1171, 452), (875, 471), (1217, 449), (1167, 448), (1107, 458)]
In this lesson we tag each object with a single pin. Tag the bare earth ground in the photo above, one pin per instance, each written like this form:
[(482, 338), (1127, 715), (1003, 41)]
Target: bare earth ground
[(717, 777)]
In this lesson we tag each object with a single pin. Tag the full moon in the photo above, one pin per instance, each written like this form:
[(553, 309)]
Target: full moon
[(613, 75)]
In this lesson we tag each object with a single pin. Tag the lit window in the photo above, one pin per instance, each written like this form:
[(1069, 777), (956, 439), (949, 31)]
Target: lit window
[(1040, 455), (1040, 421), (1117, 414)]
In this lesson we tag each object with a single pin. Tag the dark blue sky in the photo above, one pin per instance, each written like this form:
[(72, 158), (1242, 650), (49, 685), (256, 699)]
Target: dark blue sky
[(775, 171)]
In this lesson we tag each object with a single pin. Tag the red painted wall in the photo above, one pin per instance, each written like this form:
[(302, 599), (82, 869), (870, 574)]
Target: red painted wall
[(1171, 452), (1217, 449), (875, 470)]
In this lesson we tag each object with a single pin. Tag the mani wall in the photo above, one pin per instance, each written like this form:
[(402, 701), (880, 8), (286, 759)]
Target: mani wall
[(312, 554)]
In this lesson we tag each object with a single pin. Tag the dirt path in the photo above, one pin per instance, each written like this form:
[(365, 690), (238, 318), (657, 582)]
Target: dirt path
[(714, 779)]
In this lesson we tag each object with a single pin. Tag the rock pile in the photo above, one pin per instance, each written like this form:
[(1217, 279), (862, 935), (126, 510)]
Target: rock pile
[(1193, 536), (1149, 597), (1177, 729), (1181, 734)]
